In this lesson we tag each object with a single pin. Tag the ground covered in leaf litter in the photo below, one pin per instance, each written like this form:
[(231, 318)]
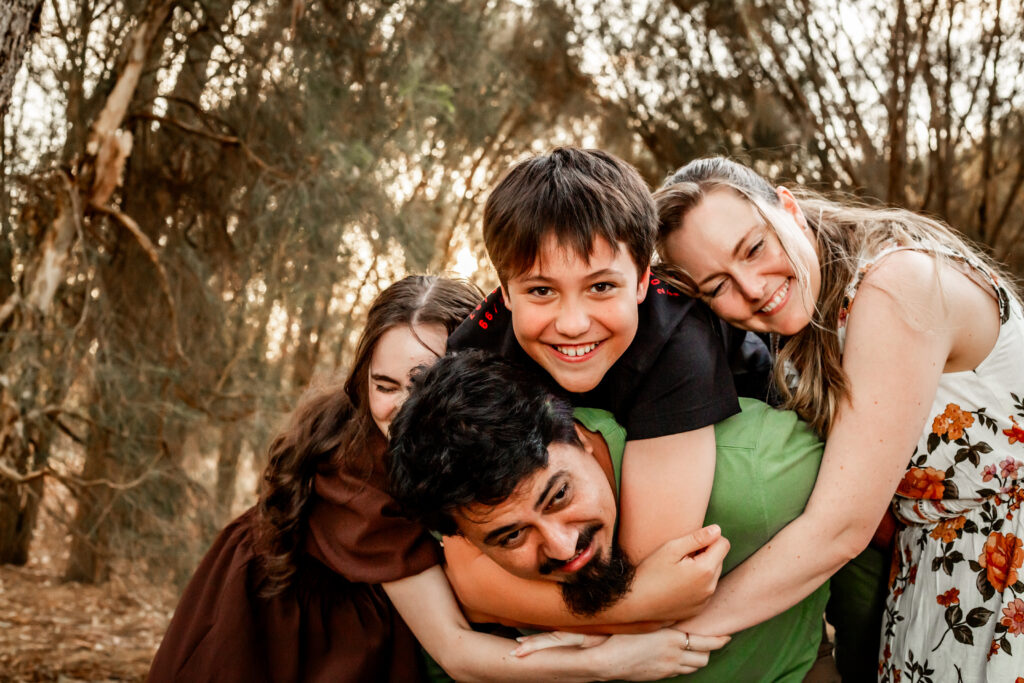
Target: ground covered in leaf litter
[(56, 631)]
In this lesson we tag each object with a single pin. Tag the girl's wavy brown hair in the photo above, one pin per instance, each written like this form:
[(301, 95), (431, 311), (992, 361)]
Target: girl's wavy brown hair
[(845, 232), (332, 425)]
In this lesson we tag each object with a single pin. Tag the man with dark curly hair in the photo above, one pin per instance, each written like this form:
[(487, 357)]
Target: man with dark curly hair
[(525, 490)]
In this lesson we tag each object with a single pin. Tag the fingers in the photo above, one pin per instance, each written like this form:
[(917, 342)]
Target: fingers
[(697, 541), (700, 643), (691, 652), (544, 641), (715, 552), (707, 535)]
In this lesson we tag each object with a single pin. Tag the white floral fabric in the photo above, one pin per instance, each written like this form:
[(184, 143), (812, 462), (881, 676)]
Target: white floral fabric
[(955, 610)]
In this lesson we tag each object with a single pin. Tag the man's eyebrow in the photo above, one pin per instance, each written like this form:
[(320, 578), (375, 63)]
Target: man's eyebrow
[(493, 537), (547, 489), (735, 253)]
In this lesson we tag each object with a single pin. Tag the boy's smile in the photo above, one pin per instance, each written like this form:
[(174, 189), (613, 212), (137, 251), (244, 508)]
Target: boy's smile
[(576, 317)]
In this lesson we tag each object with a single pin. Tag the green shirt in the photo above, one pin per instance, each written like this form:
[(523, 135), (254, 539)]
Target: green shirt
[(765, 468)]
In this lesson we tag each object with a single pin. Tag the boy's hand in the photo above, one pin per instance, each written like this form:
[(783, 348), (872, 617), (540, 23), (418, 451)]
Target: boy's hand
[(677, 580)]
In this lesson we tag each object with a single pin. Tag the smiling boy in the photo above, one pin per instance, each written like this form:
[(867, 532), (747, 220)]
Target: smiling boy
[(571, 235)]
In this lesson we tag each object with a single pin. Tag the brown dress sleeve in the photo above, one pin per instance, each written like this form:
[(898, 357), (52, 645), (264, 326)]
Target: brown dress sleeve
[(356, 529)]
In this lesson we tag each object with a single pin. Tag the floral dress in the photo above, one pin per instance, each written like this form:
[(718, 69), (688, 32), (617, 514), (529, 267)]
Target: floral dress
[(955, 610)]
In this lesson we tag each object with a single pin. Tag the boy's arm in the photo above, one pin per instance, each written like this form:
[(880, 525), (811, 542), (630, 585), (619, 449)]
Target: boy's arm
[(666, 485), (662, 590)]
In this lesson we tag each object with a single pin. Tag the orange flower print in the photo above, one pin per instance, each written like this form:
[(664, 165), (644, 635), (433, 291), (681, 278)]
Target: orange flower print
[(952, 422), (1015, 433), (993, 649), (945, 530), (1002, 556), (950, 597), (894, 571), (1013, 617), (1016, 498), (922, 482)]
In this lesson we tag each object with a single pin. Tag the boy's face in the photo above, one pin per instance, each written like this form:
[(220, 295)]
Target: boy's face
[(558, 520), (573, 317)]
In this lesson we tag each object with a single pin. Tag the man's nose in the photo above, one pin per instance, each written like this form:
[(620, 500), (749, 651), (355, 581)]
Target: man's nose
[(560, 541), (573, 319)]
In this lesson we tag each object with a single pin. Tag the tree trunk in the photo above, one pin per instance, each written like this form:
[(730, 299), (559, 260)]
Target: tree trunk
[(87, 561), (19, 21), (896, 107), (23, 448), (101, 517), (227, 469)]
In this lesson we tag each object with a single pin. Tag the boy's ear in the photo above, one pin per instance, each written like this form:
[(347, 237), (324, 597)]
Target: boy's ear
[(641, 286), (790, 205), (504, 297)]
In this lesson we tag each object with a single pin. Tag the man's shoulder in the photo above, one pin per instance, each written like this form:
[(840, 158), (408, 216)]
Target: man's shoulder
[(760, 427)]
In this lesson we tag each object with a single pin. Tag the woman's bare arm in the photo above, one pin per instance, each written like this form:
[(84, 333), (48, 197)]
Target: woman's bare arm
[(901, 334), (428, 606)]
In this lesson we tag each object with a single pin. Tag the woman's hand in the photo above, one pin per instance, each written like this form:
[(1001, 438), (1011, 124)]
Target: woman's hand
[(646, 657), (677, 580)]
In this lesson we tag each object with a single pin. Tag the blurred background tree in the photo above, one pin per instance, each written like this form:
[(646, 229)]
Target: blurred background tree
[(202, 197)]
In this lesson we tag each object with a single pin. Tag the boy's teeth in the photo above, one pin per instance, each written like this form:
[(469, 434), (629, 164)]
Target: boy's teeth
[(573, 351), (777, 299)]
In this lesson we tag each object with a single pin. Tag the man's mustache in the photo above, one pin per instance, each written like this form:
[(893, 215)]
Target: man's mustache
[(585, 538)]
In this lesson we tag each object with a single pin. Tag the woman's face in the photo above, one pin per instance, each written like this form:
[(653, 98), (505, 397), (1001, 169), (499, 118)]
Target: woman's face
[(398, 353), (738, 263)]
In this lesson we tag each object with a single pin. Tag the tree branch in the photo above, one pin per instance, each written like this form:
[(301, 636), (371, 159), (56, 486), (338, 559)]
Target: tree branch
[(150, 249), (229, 140)]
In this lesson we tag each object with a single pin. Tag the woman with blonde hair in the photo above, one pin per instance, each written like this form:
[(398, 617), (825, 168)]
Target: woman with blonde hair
[(902, 344)]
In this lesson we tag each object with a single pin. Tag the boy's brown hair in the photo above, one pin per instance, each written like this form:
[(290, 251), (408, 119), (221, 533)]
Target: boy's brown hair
[(575, 195)]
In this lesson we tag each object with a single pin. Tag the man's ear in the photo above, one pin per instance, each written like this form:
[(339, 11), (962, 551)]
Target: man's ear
[(641, 286), (790, 206), (586, 438)]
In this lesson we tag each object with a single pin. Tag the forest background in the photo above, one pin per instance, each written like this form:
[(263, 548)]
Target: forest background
[(201, 197)]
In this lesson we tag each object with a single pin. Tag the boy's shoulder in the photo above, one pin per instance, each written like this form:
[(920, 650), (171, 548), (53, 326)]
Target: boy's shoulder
[(487, 327)]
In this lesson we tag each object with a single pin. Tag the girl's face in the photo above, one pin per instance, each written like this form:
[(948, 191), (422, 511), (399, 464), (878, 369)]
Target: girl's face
[(398, 353), (738, 263)]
